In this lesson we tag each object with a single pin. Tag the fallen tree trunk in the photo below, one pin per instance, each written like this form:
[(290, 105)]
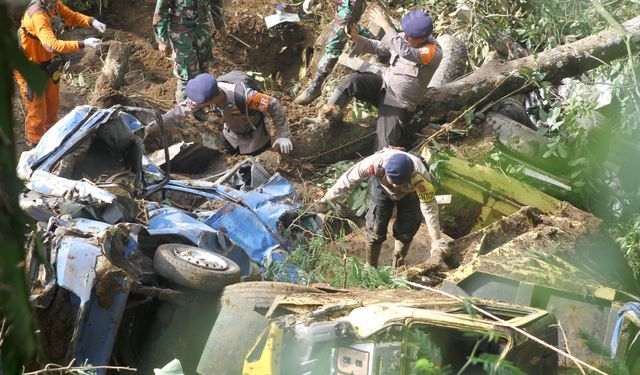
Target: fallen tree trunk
[(499, 78), (112, 76), (454, 61), (490, 82)]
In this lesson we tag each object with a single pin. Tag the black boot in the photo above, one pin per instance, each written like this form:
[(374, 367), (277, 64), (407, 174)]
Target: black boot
[(313, 91), (400, 251), (334, 109), (373, 253)]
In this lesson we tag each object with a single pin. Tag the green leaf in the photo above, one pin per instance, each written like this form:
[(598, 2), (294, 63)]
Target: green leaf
[(576, 162), (542, 114), (32, 73), (575, 174), (525, 72), (469, 117), (436, 145), (562, 150)]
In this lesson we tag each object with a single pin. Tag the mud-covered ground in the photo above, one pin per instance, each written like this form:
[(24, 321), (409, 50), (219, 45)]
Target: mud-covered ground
[(279, 56), (275, 55)]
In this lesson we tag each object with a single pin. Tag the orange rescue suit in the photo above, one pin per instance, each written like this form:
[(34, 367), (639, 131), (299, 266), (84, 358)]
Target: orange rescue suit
[(38, 33)]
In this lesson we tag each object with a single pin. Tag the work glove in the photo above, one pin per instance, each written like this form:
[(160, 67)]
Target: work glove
[(164, 48), (101, 27), (92, 42), (439, 246), (321, 206), (306, 6), (439, 250), (285, 145)]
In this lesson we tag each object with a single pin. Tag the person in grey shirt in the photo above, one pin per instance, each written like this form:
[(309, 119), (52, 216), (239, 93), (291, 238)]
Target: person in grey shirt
[(244, 131), (397, 180), (414, 55)]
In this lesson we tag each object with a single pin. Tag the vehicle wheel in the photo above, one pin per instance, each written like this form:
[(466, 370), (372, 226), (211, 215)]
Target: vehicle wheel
[(263, 293), (194, 267)]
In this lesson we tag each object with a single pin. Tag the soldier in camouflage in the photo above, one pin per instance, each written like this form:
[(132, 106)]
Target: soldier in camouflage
[(348, 12), (187, 26)]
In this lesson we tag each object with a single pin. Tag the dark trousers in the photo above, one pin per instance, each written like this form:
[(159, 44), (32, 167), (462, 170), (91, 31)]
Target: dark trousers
[(392, 121), (408, 215)]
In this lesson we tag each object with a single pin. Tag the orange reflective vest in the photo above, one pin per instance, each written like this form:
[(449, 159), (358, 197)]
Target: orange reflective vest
[(41, 27)]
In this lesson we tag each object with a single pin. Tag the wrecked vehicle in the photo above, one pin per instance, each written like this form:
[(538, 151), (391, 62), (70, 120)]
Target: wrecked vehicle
[(376, 332), (534, 250), (121, 237), (552, 274)]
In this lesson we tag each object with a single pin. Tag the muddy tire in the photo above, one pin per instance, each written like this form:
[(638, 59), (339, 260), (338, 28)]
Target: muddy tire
[(262, 293), (194, 267)]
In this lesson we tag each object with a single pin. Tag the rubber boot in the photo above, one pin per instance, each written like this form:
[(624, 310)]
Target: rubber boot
[(333, 111), (400, 251), (373, 253), (312, 91), (438, 255), (339, 98)]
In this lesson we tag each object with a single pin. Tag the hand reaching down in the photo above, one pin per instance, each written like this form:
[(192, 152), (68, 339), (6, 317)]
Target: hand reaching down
[(285, 145)]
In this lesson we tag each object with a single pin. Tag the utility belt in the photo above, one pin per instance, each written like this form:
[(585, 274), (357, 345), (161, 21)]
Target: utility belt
[(54, 67), (252, 128)]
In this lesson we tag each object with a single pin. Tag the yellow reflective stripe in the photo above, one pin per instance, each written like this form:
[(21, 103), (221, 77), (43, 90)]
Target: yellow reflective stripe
[(424, 188)]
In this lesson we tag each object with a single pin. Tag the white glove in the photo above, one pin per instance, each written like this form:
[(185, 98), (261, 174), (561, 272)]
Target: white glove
[(285, 145), (307, 5), (92, 42), (324, 200), (440, 244), (101, 27), (165, 48)]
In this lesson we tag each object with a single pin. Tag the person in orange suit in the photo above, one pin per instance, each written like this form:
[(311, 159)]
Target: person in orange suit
[(39, 34)]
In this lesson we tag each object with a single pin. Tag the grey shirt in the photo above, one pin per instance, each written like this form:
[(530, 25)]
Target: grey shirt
[(174, 117), (410, 69), (246, 132), (374, 165)]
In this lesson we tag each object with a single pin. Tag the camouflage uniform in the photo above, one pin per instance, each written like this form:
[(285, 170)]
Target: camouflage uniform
[(348, 12), (188, 26)]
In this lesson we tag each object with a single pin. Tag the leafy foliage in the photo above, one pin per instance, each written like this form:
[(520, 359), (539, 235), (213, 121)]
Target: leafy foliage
[(629, 241), (536, 25), (595, 345), (492, 364), (16, 327), (429, 356), (312, 263), (358, 198), (83, 5)]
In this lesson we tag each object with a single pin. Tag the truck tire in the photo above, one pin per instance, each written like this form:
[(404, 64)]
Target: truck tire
[(194, 267)]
